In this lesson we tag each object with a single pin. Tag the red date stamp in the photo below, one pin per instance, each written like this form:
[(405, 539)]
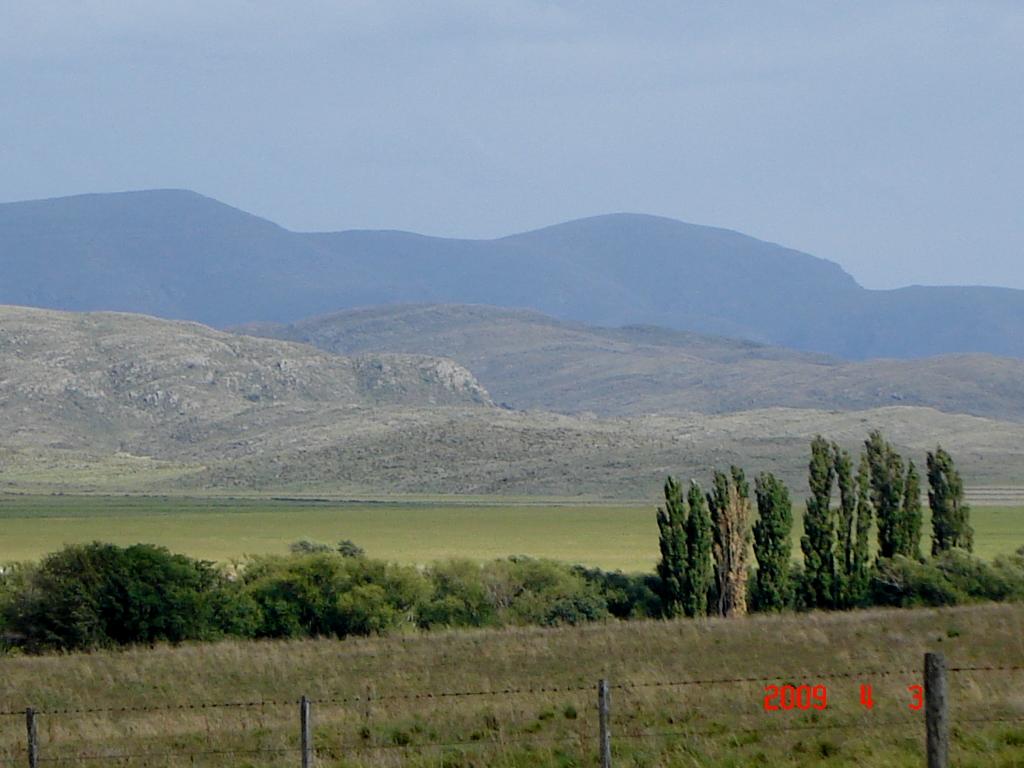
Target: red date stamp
[(785, 698)]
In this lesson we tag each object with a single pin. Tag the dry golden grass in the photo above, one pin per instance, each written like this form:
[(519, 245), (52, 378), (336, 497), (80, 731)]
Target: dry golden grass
[(406, 722)]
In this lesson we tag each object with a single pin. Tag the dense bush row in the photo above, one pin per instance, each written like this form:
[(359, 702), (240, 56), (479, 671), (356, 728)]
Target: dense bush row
[(98, 595), (101, 595)]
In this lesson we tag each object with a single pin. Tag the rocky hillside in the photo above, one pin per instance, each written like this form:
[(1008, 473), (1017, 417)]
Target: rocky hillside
[(529, 360), (125, 403), (138, 384)]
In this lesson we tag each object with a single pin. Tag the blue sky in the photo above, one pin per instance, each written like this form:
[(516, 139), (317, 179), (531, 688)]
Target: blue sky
[(886, 136)]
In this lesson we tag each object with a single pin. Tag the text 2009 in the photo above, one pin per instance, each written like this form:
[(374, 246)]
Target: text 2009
[(786, 697)]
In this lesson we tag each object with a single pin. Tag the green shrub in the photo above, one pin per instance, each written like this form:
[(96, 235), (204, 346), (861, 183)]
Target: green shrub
[(459, 597), (626, 595), (235, 612), (955, 576), (348, 548), (575, 609), (529, 591), (516, 590), (976, 578), (366, 610), (307, 547), (902, 581), (297, 596), (331, 595), (1011, 568), (96, 595)]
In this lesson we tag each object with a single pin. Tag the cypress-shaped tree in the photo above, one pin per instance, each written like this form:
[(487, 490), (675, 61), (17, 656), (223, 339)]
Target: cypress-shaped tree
[(860, 581), (672, 543), (818, 541), (700, 573), (772, 544), (729, 502), (951, 525), (911, 517), (886, 473), (845, 525)]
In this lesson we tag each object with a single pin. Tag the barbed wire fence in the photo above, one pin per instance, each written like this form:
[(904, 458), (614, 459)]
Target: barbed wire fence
[(611, 726)]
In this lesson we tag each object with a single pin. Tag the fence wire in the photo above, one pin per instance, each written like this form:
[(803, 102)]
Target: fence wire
[(517, 691), (575, 738)]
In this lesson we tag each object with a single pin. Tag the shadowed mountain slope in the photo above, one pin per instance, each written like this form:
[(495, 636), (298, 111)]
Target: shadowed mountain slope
[(529, 360), (180, 255)]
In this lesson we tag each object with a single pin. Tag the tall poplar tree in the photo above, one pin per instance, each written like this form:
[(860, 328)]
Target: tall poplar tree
[(860, 581), (672, 543), (887, 480), (951, 525), (911, 517), (700, 573), (818, 541), (729, 502), (772, 544), (845, 524)]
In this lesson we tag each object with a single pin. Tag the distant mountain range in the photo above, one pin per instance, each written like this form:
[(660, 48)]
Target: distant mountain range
[(531, 361), (177, 254)]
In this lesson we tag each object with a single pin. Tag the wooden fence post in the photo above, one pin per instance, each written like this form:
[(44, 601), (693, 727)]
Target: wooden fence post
[(604, 706), (33, 738), (936, 710), (307, 733)]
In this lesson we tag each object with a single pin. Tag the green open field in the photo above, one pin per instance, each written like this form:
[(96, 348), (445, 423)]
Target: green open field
[(610, 536), (525, 695)]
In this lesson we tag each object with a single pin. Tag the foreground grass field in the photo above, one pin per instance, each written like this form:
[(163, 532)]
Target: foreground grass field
[(610, 536), (531, 695)]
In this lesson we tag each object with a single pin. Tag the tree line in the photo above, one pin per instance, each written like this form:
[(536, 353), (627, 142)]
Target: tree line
[(724, 552), (705, 539)]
